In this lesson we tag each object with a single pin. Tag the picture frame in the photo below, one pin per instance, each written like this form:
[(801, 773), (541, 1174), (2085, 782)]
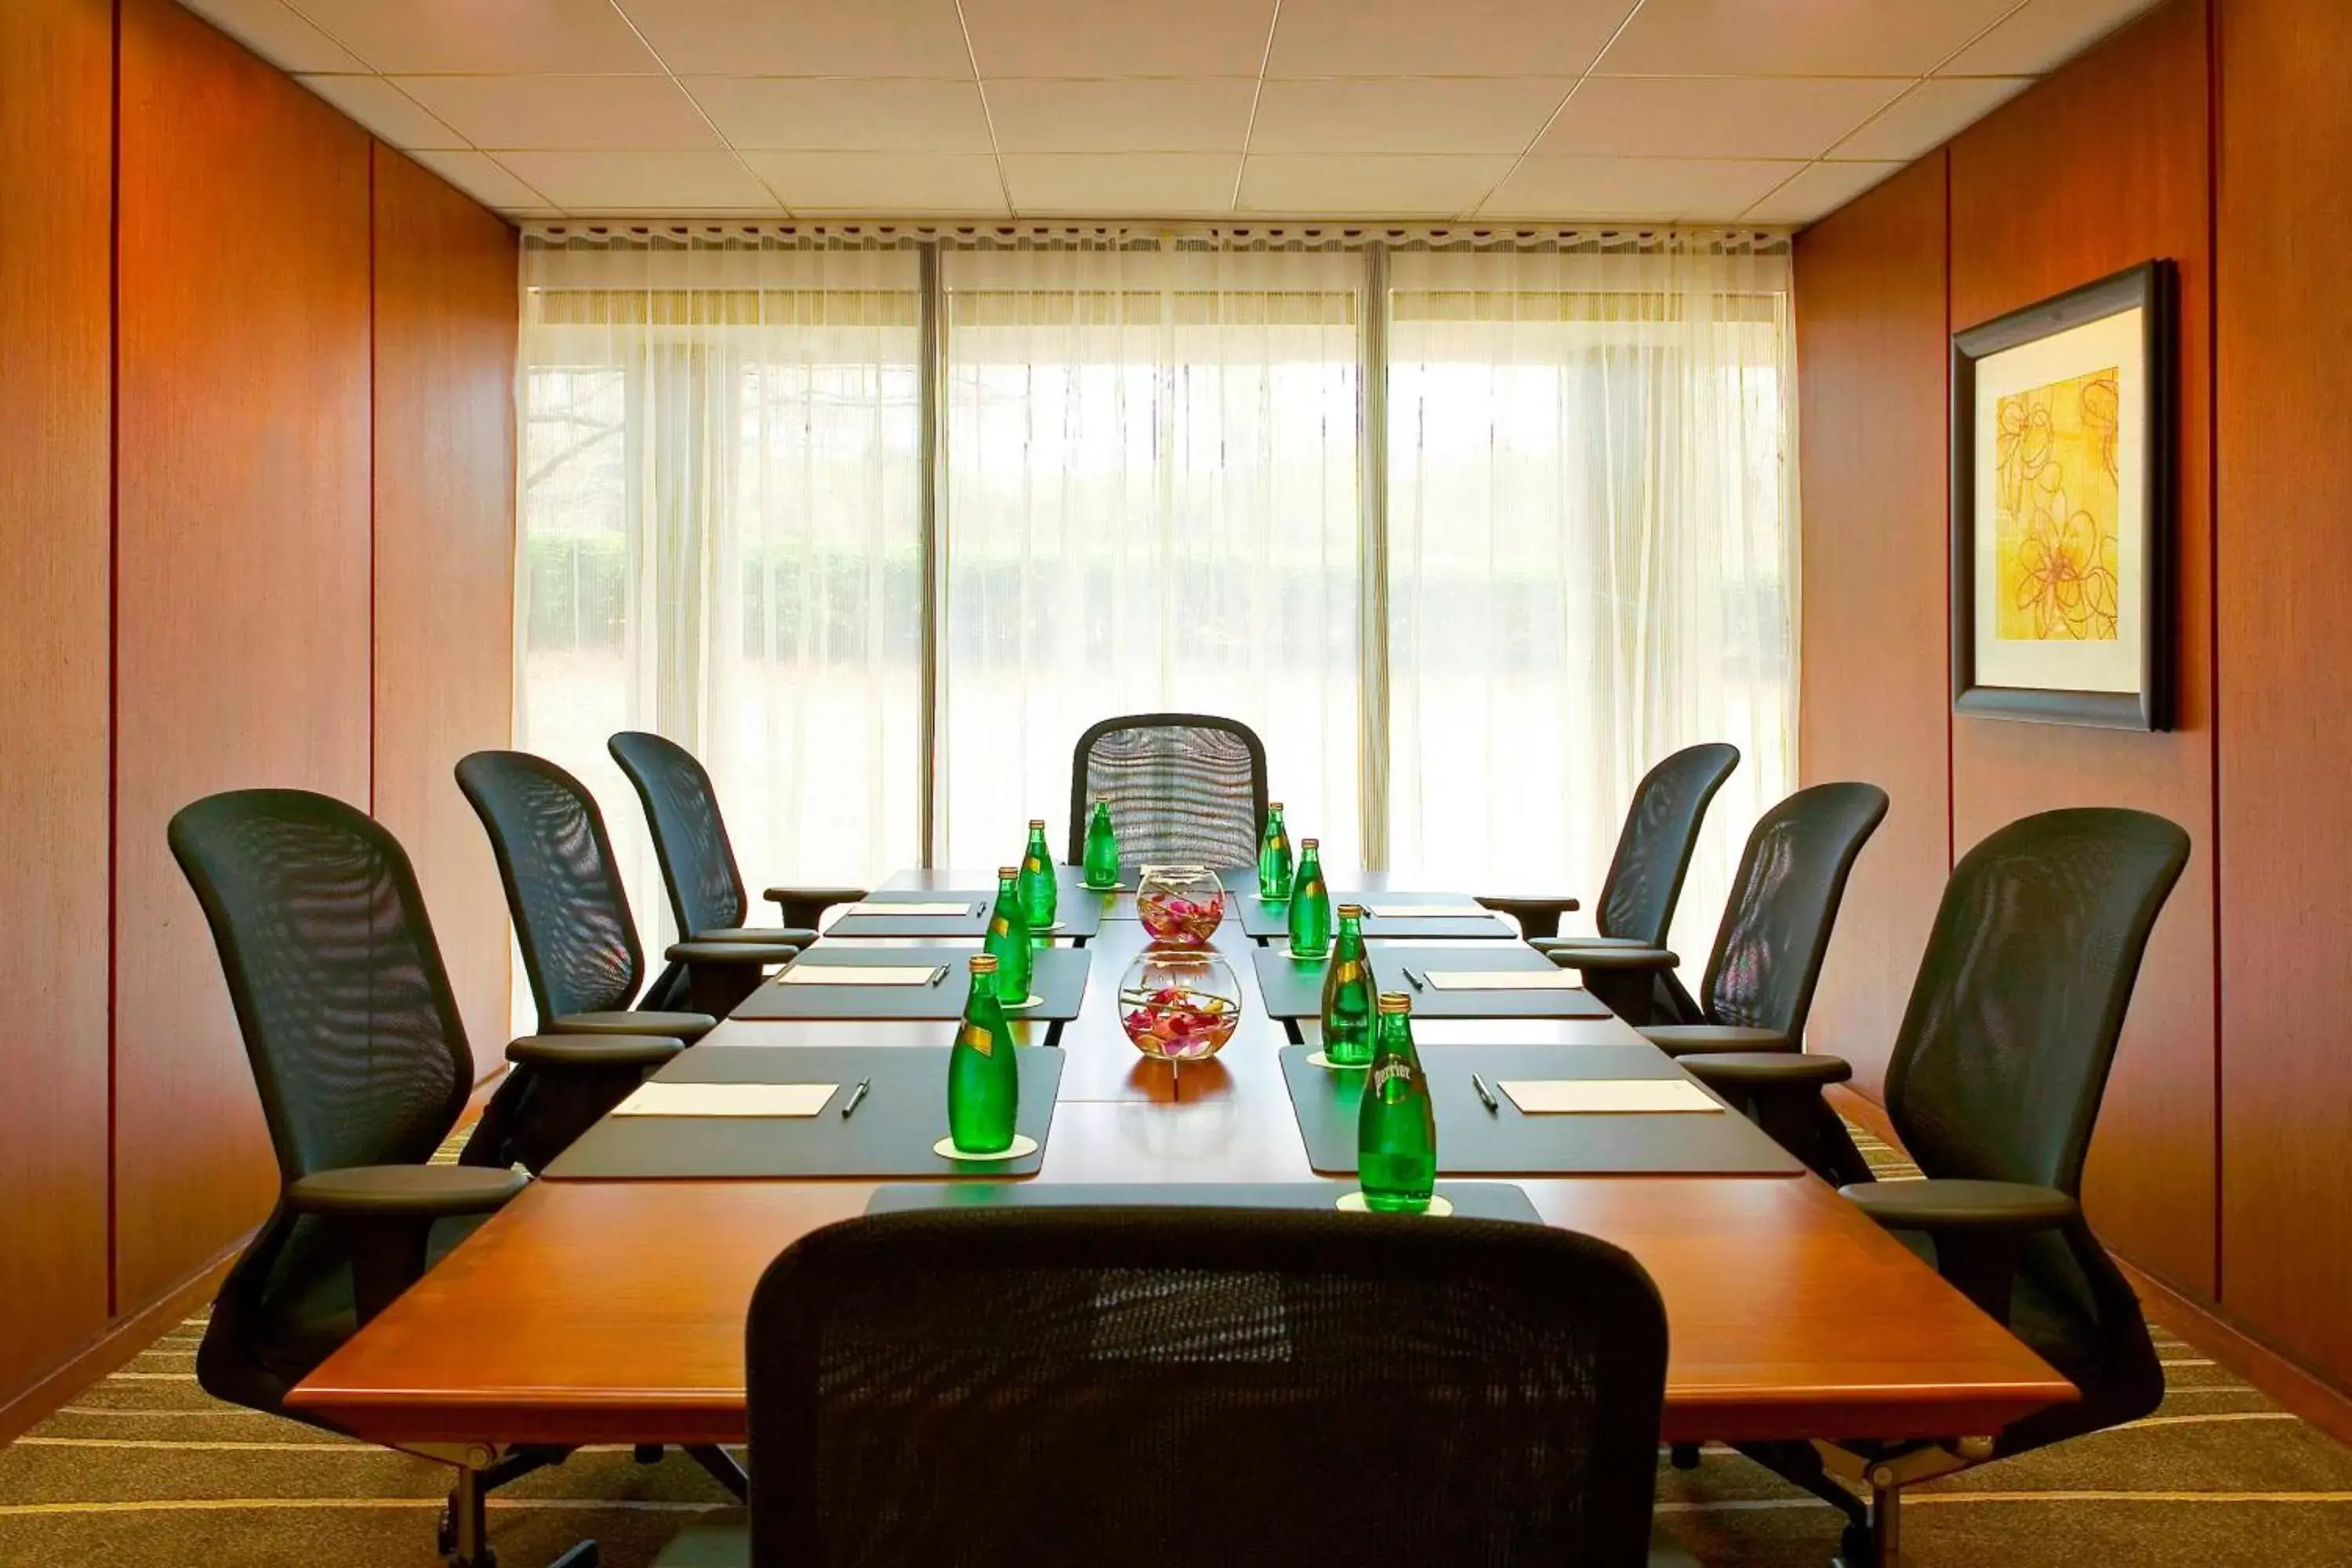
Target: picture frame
[(2063, 486)]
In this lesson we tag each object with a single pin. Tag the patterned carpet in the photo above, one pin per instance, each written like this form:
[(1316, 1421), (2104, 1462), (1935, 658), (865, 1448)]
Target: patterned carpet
[(144, 1469)]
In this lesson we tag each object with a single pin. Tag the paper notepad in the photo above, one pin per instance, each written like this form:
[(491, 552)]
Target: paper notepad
[(1428, 912), (909, 909), (727, 1100), (861, 974), (1502, 980), (1606, 1096)]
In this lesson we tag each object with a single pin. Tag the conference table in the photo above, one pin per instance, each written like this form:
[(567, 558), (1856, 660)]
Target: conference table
[(600, 1311)]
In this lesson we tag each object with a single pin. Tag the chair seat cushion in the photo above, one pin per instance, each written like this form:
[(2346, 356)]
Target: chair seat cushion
[(1691, 1039), (1952, 1203), (595, 1050), (729, 953), (1766, 1070), (687, 1026), (792, 936), (411, 1190)]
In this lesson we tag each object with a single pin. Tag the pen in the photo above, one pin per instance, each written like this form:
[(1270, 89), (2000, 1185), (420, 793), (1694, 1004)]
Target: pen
[(850, 1105), (1414, 978), (939, 972), (1485, 1094)]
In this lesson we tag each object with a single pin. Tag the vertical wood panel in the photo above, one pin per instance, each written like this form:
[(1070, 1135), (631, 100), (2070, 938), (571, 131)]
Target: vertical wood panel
[(445, 320), (56, 130), (242, 513), (1871, 351), (2102, 167), (2285, 674)]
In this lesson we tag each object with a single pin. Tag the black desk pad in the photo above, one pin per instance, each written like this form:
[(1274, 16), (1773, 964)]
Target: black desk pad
[(1293, 987), (1060, 979), (1471, 1200), (1077, 917), (891, 1134), (1475, 1142)]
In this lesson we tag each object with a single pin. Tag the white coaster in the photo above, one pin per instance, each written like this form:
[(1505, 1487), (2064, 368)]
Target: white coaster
[(1296, 956), (1023, 1005), (1354, 1203), (1022, 1144), (1318, 1059)]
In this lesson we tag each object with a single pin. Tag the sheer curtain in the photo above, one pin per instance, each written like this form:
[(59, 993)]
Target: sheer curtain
[(1592, 550), (1150, 502), (720, 537)]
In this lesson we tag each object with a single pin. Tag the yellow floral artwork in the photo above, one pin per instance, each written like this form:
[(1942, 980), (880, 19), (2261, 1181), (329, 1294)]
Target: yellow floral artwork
[(2057, 513)]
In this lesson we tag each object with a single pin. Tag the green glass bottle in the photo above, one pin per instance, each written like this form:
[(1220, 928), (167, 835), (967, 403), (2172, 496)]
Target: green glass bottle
[(1274, 858), (1040, 888), (1008, 940), (1310, 905), (1102, 849), (1396, 1130), (983, 1074), (1348, 994)]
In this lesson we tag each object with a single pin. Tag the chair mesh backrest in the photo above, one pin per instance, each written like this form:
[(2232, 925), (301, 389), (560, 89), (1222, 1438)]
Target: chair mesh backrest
[(1784, 904), (563, 887), (347, 1014), (1182, 787), (1653, 851), (1205, 1387), (697, 861), (2004, 1050)]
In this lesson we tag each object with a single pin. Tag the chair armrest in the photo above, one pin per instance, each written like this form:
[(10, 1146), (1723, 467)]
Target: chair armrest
[(756, 953), (1959, 1206), (793, 936), (1766, 1070), (594, 1050), (404, 1192), (1614, 960), (802, 906), (1539, 918), (1697, 1041)]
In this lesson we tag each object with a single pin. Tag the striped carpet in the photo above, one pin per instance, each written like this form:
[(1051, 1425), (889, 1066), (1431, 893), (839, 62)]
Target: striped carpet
[(144, 1469)]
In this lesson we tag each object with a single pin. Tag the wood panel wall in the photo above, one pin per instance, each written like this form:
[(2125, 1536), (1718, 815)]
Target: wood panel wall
[(56, 130), (249, 360), (2217, 133)]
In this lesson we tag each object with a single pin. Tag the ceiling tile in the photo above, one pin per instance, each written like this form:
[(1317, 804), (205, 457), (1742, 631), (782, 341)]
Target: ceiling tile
[(384, 110), (1190, 114), (578, 112), (1926, 116), (804, 37), (1701, 189), (1460, 38), (2046, 32), (1336, 186), (1714, 117), (613, 182), (1796, 37), (897, 185), (1050, 38), (516, 36), (1165, 184), (482, 177), (845, 113), (277, 34), (1405, 114), (1816, 191)]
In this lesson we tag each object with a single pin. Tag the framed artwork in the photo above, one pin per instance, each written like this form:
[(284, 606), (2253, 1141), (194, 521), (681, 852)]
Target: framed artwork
[(2062, 435)]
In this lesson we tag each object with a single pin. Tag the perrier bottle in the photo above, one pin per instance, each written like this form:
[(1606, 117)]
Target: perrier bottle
[(1008, 940), (1310, 905), (1039, 889), (983, 1075), (1274, 858), (1348, 994), (1396, 1130), (1102, 849)]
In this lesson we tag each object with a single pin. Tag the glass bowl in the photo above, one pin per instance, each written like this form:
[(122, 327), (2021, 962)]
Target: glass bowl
[(1180, 904), (1180, 1004)]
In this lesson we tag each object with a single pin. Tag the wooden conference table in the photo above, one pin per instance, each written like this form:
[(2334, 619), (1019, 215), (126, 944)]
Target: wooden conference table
[(613, 1311)]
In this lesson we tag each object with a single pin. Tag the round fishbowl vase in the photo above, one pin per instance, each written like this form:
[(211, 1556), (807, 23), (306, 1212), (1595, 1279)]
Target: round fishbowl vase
[(1180, 905), (1179, 1005)]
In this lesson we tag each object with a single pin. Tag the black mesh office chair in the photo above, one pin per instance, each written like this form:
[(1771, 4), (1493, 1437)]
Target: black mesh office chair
[(570, 913), (697, 861), (1182, 787), (361, 1059), (1197, 1388), (1776, 926), (1994, 1088), (1643, 885)]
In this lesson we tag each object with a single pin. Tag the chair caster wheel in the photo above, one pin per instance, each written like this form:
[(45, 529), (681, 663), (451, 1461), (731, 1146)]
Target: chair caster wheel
[(489, 1558), (1684, 1456), (444, 1530), (1855, 1548)]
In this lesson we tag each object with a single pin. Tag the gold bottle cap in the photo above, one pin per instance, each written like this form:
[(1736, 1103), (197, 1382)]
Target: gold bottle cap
[(1036, 824), (1351, 911), (1005, 873), (1395, 1002), (983, 963), (1308, 843), (1273, 805)]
